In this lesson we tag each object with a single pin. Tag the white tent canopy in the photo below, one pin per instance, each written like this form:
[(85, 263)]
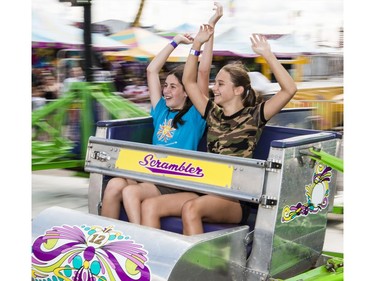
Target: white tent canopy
[(54, 32), (294, 44), (236, 41), (233, 41)]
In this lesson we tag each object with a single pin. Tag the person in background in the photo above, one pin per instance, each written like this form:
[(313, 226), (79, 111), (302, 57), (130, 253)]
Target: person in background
[(36, 79), (49, 87), (75, 75), (37, 99), (137, 91), (73, 122), (119, 79), (177, 124)]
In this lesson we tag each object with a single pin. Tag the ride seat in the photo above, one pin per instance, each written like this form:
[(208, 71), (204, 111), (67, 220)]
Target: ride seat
[(141, 130)]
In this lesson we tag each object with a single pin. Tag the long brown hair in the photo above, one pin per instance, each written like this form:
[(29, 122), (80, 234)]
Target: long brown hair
[(240, 77), (177, 72)]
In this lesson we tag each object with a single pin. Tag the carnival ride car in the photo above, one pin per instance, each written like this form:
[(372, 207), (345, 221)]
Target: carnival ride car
[(290, 183)]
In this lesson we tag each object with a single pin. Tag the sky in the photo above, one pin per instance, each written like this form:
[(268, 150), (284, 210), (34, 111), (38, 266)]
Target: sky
[(314, 19)]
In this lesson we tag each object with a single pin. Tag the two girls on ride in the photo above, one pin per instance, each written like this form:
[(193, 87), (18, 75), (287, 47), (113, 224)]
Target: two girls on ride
[(235, 120)]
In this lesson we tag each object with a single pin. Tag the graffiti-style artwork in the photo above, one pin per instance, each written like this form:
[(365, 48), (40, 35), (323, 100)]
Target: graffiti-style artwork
[(317, 194), (88, 253)]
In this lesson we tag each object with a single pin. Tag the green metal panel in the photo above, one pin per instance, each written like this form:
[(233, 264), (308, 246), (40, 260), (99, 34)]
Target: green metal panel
[(333, 270), (53, 149)]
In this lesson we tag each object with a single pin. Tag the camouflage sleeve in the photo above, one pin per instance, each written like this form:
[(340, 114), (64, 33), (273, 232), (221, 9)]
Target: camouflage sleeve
[(258, 115), (262, 118)]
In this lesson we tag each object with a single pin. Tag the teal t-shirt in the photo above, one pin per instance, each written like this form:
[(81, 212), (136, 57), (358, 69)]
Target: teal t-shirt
[(186, 136)]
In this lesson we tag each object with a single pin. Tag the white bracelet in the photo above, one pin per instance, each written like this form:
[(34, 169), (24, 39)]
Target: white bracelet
[(195, 52)]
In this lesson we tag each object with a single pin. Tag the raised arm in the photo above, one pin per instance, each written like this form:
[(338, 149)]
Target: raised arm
[(153, 69), (204, 68), (189, 78), (286, 82)]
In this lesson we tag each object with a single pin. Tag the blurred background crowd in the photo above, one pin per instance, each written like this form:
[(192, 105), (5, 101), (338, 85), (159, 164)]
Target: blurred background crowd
[(120, 50)]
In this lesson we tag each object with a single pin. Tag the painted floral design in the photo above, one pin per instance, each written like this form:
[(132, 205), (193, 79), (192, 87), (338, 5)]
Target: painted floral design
[(87, 253), (317, 195)]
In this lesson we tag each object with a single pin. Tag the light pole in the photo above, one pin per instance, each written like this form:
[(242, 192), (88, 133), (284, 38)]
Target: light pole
[(86, 35), (87, 39)]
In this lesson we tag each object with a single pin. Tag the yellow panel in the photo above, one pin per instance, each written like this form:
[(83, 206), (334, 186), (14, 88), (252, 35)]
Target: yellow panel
[(175, 167)]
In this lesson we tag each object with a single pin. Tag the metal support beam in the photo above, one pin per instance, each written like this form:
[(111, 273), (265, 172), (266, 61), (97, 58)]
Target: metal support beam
[(87, 41)]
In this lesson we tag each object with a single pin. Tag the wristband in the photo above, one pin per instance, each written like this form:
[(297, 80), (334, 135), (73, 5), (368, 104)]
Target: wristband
[(195, 52), (174, 44)]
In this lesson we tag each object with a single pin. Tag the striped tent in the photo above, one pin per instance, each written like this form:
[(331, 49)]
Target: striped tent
[(144, 45), (180, 29)]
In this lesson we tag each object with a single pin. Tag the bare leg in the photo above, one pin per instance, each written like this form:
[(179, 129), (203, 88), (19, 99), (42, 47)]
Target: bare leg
[(209, 208), (153, 209), (112, 197), (133, 196)]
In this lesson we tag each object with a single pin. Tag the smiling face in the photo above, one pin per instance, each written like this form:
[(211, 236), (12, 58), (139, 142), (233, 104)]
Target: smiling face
[(224, 90), (232, 89), (174, 93)]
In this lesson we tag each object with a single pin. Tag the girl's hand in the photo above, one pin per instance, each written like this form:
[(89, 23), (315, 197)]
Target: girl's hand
[(183, 39), (260, 44), (204, 33), (218, 14)]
